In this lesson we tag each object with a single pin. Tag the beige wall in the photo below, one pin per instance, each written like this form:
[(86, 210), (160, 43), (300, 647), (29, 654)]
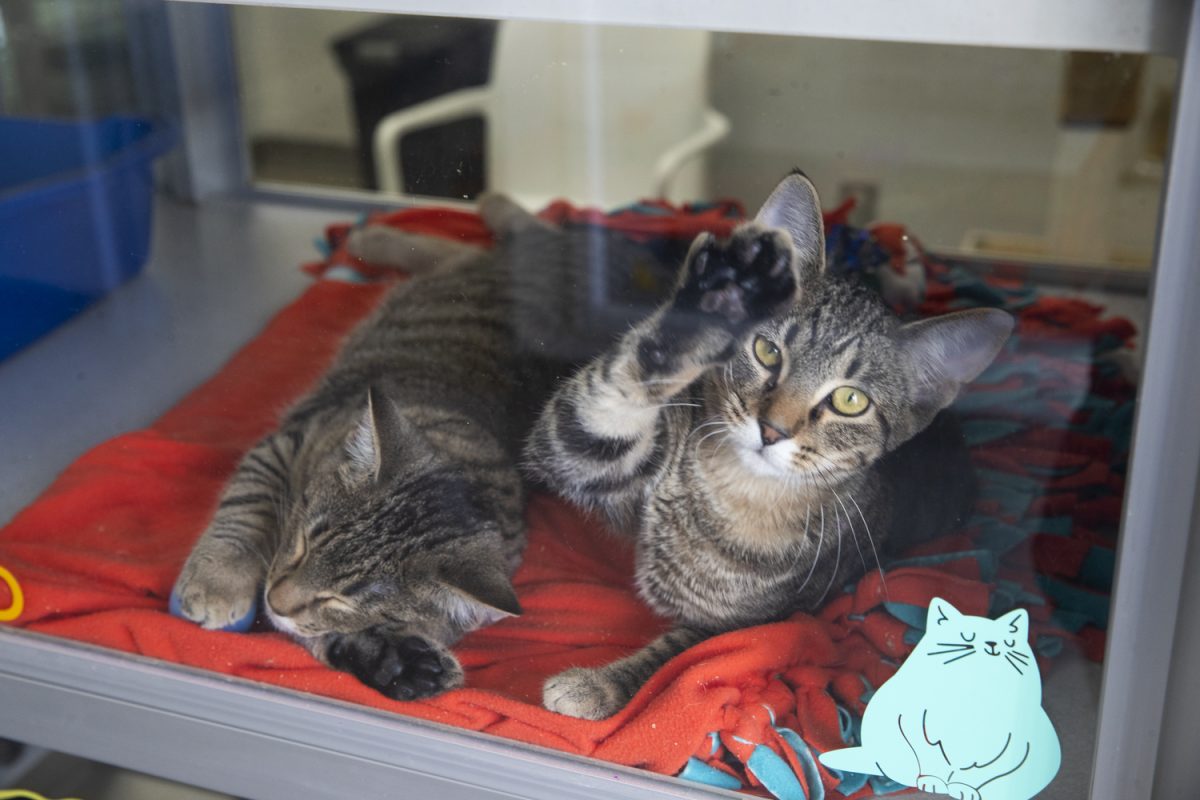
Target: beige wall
[(292, 85), (957, 139), (963, 143)]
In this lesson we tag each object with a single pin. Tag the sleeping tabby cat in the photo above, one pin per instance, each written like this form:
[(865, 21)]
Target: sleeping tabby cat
[(384, 517), (751, 435)]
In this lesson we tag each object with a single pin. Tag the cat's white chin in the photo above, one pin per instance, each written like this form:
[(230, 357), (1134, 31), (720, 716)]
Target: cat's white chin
[(285, 624), (762, 462)]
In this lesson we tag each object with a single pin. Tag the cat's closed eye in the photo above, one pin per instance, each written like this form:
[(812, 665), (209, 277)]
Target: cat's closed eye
[(299, 551), (332, 601), (966, 638), (1010, 643)]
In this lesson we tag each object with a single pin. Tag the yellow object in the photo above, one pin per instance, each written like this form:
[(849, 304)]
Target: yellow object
[(767, 352), (22, 794), (12, 612), (850, 401)]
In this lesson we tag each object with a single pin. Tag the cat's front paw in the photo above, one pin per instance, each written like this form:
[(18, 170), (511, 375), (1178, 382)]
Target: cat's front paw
[(739, 281), (218, 594), (583, 693), (961, 791), (931, 783), (399, 666)]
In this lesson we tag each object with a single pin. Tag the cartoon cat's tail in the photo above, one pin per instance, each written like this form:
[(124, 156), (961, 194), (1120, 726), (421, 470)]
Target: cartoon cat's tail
[(851, 759)]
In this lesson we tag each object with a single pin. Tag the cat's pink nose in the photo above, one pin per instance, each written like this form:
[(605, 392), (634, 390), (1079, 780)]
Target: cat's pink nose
[(771, 433)]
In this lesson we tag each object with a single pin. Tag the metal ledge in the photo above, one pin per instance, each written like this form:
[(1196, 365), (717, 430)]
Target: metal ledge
[(235, 736), (1104, 25)]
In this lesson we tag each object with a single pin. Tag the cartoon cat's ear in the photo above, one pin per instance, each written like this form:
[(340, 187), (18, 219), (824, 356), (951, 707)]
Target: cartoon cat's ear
[(949, 351), (795, 207), (484, 583), (1016, 623), (376, 445), (940, 613)]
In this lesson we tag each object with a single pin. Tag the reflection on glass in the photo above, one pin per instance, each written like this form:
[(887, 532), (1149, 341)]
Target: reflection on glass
[(67, 59), (959, 378), (1041, 156)]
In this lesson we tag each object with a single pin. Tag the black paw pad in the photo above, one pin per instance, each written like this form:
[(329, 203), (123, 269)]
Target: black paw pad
[(742, 280), (404, 668)]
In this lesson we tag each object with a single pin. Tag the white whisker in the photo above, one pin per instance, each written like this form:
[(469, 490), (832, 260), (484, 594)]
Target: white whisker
[(712, 421), (706, 437), (853, 533), (836, 562), (871, 541), (817, 557)]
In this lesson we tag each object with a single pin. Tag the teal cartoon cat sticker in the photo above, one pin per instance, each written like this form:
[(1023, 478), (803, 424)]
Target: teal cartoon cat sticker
[(963, 714)]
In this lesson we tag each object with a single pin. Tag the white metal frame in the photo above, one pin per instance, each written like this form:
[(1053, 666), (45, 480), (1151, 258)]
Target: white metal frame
[(1157, 515), (256, 741), (1116, 25)]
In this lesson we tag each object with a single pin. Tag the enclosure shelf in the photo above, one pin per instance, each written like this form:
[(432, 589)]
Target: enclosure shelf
[(229, 735), (1103, 25), (217, 272)]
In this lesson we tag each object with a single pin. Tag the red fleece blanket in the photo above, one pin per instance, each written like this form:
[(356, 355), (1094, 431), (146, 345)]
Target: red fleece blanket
[(97, 554)]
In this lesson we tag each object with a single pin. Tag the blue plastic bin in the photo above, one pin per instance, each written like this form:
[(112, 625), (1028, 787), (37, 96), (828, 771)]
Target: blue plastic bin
[(75, 215)]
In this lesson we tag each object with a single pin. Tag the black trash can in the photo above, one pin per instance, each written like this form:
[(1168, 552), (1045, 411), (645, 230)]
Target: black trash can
[(410, 59)]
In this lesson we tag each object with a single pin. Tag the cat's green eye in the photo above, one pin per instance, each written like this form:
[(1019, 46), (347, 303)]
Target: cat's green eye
[(767, 352), (848, 401)]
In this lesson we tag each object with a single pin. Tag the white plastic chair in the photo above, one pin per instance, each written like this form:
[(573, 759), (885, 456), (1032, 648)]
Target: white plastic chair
[(596, 115)]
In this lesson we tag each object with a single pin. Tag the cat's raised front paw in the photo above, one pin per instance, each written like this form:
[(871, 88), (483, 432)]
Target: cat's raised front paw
[(583, 693), (931, 783), (398, 666), (961, 791), (744, 279), (218, 595)]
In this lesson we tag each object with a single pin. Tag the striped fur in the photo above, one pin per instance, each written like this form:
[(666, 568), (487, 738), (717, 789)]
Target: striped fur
[(749, 495), (382, 520)]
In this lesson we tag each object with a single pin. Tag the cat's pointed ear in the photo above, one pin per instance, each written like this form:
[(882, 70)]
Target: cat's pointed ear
[(950, 351), (482, 582), (1016, 624), (941, 613), (795, 207), (377, 443)]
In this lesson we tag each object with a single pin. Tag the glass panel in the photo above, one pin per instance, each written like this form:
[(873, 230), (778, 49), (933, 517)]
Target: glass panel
[(1035, 155), (613, 450), (68, 59)]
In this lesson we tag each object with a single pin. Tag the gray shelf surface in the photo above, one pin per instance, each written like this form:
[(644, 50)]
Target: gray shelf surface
[(217, 273)]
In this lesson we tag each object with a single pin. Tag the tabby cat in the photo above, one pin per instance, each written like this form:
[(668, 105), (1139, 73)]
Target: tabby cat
[(383, 519), (749, 434), (741, 432)]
